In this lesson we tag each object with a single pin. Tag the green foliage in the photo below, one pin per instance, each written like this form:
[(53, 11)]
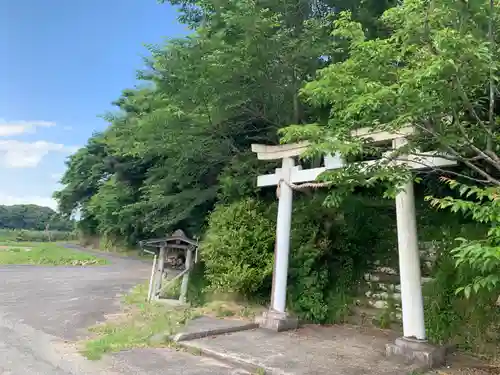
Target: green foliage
[(107, 207), (238, 248), (197, 286), (436, 71), (180, 142), (45, 236), (33, 217), (178, 146), (472, 323), (143, 324), (482, 256), (331, 250), (172, 290)]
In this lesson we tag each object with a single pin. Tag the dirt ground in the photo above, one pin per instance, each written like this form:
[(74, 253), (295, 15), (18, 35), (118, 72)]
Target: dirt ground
[(463, 364)]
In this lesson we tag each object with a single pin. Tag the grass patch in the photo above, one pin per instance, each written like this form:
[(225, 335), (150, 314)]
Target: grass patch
[(45, 254), (138, 325), (22, 235), (142, 324), (227, 309), (121, 251)]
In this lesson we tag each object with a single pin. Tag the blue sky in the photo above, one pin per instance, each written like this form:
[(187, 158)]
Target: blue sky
[(63, 63)]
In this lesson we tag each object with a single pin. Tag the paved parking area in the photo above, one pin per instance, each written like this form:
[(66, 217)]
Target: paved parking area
[(43, 310)]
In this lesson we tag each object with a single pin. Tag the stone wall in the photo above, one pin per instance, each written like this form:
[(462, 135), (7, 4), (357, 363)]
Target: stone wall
[(380, 294)]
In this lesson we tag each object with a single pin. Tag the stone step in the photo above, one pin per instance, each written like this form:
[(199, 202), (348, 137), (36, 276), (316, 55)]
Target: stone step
[(206, 326), (385, 278), (375, 286), (382, 277), (373, 317), (383, 267), (427, 252), (383, 296)]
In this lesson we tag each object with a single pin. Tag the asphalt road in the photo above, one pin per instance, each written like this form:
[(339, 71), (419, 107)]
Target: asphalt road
[(44, 310)]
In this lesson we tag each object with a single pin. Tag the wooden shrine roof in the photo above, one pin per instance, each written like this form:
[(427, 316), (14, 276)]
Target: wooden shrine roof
[(178, 240)]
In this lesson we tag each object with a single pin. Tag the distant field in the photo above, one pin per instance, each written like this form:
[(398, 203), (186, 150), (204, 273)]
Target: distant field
[(37, 253), (21, 235)]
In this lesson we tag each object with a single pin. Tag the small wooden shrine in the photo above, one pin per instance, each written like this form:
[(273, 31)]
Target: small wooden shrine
[(174, 257)]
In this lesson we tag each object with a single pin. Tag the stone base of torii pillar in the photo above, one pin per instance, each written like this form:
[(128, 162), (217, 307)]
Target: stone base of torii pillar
[(420, 351), (277, 321)]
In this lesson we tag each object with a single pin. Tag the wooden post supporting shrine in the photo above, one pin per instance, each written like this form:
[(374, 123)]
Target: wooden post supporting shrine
[(158, 276), (151, 291), (185, 277)]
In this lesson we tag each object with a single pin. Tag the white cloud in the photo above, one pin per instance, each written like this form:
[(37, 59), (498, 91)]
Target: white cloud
[(17, 154), (13, 128), (9, 200)]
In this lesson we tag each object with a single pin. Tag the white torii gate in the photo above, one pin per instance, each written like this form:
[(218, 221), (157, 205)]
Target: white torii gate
[(409, 256)]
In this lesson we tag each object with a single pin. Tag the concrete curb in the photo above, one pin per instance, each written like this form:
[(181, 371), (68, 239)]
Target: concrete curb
[(185, 336), (247, 363)]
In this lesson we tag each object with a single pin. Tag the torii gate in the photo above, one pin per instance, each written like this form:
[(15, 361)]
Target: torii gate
[(409, 258)]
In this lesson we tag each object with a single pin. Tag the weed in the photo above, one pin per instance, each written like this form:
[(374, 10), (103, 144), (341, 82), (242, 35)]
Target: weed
[(416, 372), (139, 323), (383, 320), (134, 330), (472, 324), (195, 351), (226, 308)]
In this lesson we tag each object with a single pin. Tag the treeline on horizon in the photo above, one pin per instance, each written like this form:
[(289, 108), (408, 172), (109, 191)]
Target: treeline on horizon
[(33, 217)]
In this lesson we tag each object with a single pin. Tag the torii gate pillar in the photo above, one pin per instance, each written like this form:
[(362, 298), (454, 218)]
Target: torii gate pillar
[(276, 318), (283, 232)]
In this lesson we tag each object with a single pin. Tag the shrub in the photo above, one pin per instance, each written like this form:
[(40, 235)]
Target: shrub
[(330, 250), (238, 249), (461, 302), (482, 256), (172, 289), (472, 323), (197, 284)]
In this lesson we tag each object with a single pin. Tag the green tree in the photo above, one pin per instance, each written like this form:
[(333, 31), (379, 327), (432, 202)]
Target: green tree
[(33, 217), (437, 72), (175, 141)]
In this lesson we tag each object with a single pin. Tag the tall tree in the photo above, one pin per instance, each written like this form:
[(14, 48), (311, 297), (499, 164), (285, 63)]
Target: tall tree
[(182, 140), (435, 72), (33, 217), (438, 72)]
